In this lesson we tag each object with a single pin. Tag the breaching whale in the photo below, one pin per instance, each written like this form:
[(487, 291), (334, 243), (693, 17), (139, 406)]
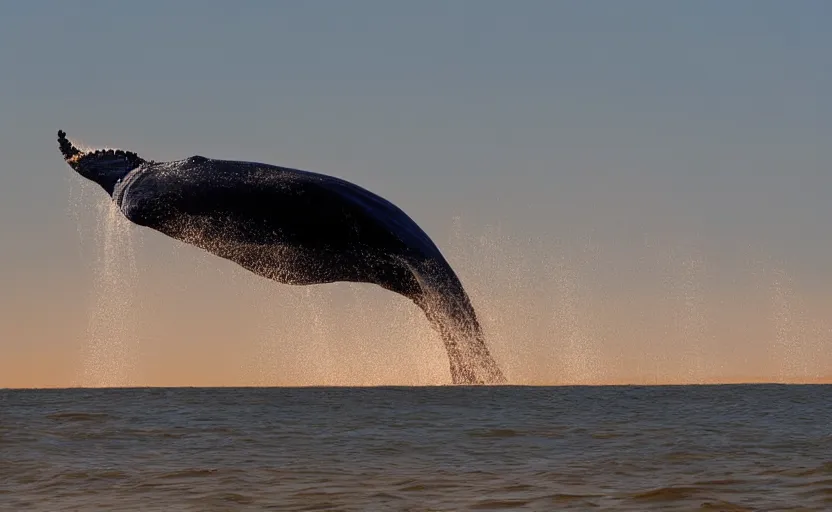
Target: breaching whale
[(295, 227)]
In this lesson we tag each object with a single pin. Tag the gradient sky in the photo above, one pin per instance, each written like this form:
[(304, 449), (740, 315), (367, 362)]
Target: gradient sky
[(632, 191)]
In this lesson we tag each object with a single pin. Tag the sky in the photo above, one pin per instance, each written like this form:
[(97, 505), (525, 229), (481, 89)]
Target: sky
[(631, 192)]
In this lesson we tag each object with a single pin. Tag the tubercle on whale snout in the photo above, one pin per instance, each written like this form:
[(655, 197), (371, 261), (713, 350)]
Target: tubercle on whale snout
[(73, 155), (69, 151)]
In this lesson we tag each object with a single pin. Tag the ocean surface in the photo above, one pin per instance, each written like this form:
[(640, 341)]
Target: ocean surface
[(755, 447)]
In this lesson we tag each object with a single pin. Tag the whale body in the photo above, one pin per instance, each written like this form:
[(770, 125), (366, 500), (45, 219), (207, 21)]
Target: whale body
[(295, 227)]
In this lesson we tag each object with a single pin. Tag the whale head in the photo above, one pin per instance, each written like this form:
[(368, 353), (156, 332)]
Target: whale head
[(105, 167)]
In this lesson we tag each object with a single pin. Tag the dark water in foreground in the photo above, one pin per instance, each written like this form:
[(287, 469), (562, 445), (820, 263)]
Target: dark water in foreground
[(442, 448)]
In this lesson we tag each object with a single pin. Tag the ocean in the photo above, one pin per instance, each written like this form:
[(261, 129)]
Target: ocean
[(730, 447)]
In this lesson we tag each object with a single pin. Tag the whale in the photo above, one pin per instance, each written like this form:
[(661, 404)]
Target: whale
[(295, 227)]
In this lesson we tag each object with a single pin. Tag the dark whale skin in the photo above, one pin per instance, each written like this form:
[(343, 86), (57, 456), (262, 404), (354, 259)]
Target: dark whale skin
[(296, 227)]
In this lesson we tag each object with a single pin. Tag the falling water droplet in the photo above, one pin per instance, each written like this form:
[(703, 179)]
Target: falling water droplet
[(110, 351)]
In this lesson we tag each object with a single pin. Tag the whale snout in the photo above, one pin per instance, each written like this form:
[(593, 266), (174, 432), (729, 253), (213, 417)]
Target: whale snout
[(68, 150), (104, 166)]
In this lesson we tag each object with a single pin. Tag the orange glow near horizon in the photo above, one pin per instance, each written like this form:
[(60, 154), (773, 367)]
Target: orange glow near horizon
[(216, 325), (156, 312)]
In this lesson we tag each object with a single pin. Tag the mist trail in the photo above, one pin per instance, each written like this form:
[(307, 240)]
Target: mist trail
[(340, 334), (294, 331), (576, 344), (559, 311), (788, 335), (572, 315), (691, 321), (533, 301), (344, 334), (684, 273), (573, 310), (794, 351), (109, 351), (110, 359), (547, 317)]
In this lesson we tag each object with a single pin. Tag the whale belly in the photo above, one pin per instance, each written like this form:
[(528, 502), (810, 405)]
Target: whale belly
[(280, 224), (263, 254)]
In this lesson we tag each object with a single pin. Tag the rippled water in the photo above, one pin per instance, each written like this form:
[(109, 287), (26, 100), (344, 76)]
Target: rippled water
[(438, 448)]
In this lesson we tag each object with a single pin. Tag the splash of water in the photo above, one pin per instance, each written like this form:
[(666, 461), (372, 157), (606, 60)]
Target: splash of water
[(344, 334), (295, 316), (533, 303), (553, 312), (109, 350), (548, 308), (578, 346), (788, 336)]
